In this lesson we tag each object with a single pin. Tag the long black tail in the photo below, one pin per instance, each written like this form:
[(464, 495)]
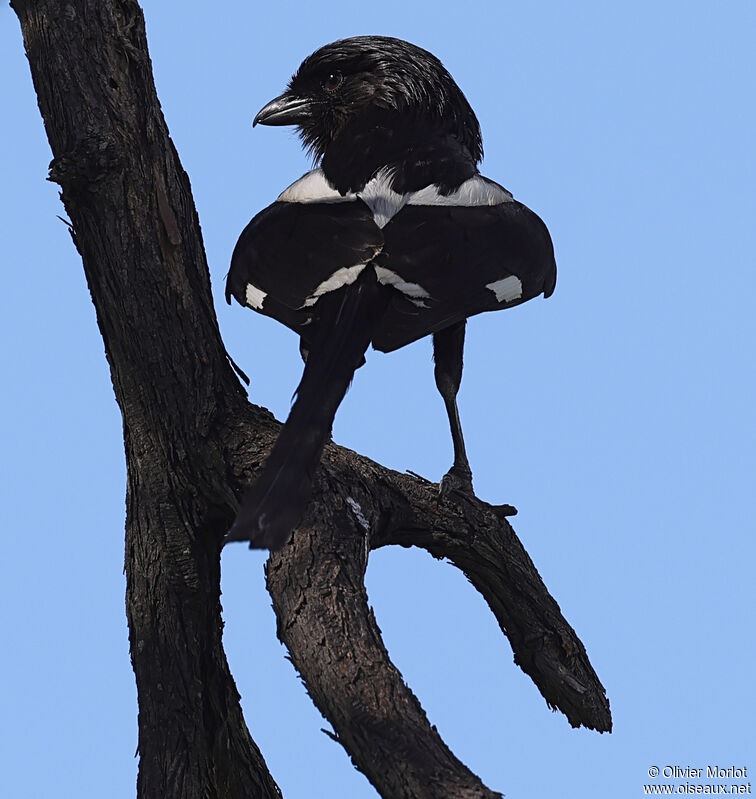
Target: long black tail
[(346, 320)]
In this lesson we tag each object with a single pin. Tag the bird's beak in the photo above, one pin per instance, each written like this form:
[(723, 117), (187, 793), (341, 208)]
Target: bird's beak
[(288, 109)]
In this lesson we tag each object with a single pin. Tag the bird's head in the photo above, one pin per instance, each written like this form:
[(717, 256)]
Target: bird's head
[(368, 82)]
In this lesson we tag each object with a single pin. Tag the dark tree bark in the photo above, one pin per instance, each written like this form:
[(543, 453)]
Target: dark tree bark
[(193, 442)]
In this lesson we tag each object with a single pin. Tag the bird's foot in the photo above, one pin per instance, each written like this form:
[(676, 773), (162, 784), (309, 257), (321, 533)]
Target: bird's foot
[(457, 482)]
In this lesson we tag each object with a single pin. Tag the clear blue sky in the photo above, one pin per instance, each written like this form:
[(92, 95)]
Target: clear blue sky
[(618, 415)]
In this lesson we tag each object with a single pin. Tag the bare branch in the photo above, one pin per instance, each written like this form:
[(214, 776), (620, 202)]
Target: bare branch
[(480, 542), (317, 584)]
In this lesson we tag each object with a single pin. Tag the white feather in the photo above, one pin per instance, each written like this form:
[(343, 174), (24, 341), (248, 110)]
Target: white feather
[(255, 297), (313, 188), (475, 191), (383, 201), (506, 289), (412, 290), (341, 277)]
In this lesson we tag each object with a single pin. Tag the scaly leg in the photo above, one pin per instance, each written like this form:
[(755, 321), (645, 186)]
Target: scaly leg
[(448, 346)]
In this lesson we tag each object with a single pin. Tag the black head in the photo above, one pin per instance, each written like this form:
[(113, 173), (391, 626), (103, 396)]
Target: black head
[(371, 81)]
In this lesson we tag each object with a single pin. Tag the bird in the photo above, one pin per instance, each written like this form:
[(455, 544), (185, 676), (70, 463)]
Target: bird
[(394, 235)]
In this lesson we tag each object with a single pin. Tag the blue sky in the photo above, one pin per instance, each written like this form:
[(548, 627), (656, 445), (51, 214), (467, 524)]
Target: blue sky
[(618, 415)]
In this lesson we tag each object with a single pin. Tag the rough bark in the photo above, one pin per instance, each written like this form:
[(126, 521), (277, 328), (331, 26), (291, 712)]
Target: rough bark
[(193, 442)]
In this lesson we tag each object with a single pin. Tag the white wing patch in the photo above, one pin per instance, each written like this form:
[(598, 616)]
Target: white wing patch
[(413, 291), (254, 297), (341, 277), (506, 289), (313, 188)]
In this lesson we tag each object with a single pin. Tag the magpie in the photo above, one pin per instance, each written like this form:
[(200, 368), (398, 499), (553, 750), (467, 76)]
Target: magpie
[(393, 236)]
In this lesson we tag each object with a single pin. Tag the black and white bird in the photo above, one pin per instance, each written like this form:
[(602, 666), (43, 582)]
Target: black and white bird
[(394, 236)]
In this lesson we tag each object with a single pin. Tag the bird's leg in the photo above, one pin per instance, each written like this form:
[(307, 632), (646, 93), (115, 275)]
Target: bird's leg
[(448, 345)]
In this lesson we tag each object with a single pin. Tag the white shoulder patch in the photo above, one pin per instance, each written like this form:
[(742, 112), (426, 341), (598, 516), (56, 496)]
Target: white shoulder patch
[(385, 203), (313, 188), (475, 191)]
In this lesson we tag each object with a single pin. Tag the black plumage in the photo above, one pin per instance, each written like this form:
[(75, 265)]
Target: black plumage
[(394, 237)]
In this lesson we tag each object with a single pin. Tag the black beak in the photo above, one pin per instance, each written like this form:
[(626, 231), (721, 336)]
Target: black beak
[(288, 109)]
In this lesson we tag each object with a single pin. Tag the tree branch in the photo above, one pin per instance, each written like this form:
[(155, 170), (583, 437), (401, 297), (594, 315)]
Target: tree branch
[(317, 585), (193, 442), (480, 542)]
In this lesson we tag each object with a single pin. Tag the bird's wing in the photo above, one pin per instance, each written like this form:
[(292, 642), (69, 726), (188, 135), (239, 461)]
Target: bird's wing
[(293, 252), (452, 258)]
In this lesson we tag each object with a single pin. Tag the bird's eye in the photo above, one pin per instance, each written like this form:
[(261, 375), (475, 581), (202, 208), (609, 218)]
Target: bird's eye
[(333, 81)]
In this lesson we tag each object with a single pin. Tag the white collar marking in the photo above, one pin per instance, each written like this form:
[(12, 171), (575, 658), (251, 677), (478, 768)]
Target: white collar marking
[(385, 203)]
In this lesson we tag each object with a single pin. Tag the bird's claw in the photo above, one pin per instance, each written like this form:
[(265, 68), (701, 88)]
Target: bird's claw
[(457, 484), (457, 481)]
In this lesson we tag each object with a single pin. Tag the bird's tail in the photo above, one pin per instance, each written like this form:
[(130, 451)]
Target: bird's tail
[(344, 326)]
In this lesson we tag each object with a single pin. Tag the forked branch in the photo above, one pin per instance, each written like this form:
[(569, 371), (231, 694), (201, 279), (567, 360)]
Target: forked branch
[(318, 590)]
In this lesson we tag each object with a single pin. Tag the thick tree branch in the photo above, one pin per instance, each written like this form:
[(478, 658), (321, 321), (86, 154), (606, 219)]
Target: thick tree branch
[(323, 618), (193, 443), (136, 228)]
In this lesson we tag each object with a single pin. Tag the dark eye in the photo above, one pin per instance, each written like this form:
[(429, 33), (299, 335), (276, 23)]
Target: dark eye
[(333, 81)]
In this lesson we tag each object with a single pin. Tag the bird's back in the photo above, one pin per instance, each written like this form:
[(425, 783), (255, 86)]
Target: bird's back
[(447, 256)]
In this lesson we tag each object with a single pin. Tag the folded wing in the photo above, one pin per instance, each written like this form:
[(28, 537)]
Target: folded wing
[(292, 253), (448, 256), (451, 262)]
